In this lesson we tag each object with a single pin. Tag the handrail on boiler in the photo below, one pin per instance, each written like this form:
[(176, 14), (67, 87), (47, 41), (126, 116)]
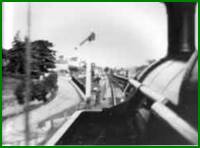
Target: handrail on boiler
[(164, 112)]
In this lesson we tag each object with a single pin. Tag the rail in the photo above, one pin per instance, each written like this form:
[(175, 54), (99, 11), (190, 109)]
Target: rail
[(112, 91), (168, 115), (78, 83), (78, 89)]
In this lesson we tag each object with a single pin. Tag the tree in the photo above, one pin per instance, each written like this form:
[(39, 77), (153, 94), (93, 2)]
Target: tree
[(17, 57), (43, 57)]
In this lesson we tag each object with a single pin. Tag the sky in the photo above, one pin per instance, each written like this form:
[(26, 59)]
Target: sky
[(127, 34)]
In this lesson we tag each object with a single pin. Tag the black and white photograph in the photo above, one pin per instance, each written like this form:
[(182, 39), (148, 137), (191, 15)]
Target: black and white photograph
[(99, 73)]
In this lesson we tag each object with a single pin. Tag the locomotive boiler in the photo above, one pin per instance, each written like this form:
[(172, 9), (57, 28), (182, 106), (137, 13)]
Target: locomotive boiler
[(162, 101)]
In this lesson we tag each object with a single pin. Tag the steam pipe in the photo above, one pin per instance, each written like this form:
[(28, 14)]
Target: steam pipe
[(181, 29)]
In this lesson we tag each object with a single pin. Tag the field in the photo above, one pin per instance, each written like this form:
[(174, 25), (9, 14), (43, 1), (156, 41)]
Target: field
[(10, 105)]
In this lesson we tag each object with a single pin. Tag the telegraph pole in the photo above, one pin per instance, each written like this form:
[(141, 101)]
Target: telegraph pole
[(28, 76)]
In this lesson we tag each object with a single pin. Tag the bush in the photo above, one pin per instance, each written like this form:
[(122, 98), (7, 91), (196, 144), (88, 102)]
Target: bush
[(39, 90), (51, 81), (20, 92)]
